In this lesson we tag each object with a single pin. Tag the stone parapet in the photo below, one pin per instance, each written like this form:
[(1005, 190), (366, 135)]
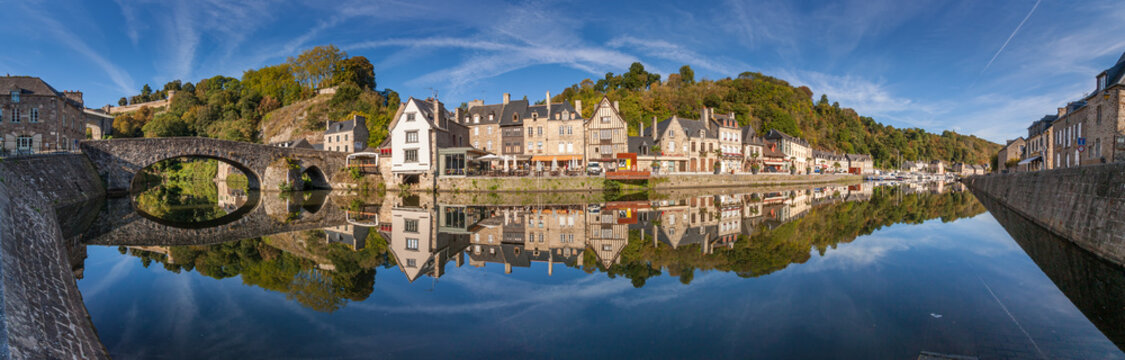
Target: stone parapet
[(43, 314)]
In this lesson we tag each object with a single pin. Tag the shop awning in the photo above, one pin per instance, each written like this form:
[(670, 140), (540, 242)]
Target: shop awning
[(1029, 160), (559, 158)]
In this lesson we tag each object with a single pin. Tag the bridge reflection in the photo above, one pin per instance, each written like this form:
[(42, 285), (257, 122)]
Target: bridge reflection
[(752, 233), (121, 223)]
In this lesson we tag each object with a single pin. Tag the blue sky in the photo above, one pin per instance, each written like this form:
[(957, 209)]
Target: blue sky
[(980, 67)]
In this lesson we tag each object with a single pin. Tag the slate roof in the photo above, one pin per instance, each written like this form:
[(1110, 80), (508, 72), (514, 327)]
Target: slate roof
[(343, 126), (503, 112), (690, 127), (483, 111), (27, 85), (1116, 73), (774, 134), (514, 107), (827, 155), (299, 143), (637, 143), (858, 157), (426, 107), (748, 133)]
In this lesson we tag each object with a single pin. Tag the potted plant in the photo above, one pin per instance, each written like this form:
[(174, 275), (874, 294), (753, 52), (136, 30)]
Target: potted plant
[(755, 167)]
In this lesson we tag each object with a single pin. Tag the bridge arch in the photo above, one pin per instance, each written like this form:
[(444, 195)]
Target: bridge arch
[(117, 161), (253, 180), (317, 179)]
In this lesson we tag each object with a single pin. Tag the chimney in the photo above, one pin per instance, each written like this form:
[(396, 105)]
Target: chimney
[(616, 105), (457, 116), (653, 128), (327, 124), (507, 98), (1062, 111), (73, 95), (578, 107), (437, 113), (548, 104), (733, 123), (641, 132)]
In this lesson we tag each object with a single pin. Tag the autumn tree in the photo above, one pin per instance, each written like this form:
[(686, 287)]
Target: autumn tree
[(687, 75), (357, 70), (314, 67)]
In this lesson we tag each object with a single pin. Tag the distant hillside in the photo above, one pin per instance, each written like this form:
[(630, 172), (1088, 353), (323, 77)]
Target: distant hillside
[(767, 103)]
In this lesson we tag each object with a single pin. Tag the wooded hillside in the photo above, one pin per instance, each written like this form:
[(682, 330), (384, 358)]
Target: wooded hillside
[(769, 103)]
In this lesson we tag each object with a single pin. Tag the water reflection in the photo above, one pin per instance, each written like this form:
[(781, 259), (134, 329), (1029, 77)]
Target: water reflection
[(323, 251), (300, 273), (1097, 287)]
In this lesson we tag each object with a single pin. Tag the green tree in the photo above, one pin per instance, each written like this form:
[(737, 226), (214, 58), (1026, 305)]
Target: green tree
[(687, 75), (165, 125), (357, 70), (314, 67), (277, 82)]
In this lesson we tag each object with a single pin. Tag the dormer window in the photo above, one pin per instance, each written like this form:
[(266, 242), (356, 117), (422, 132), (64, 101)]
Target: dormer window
[(1101, 82), (15, 96), (515, 118), (534, 115), (490, 117), (476, 119)]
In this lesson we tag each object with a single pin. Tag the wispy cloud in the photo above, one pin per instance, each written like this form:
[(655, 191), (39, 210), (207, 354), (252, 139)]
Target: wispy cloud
[(61, 33), (133, 25)]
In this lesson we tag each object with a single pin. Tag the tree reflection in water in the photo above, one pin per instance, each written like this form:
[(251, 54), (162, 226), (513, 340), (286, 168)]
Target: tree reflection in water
[(752, 234)]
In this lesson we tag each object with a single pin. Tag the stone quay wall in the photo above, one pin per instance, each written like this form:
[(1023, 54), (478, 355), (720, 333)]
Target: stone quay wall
[(43, 314), (663, 182), (1080, 204)]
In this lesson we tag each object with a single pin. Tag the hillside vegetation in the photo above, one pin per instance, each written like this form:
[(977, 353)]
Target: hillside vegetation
[(279, 102), (274, 103), (765, 103)]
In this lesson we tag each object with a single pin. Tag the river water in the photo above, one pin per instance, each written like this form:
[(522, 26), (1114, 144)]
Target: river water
[(860, 271)]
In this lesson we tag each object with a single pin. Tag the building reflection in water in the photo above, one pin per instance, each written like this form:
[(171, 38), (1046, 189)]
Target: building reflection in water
[(422, 236)]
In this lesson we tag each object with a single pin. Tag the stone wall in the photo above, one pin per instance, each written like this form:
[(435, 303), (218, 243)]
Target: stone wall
[(1076, 203), (596, 183), (43, 313), (673, 181)]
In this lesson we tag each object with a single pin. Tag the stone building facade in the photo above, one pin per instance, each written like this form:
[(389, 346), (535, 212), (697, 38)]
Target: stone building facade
[(1012, 152), (796, 149), (1092, 130), (34, 117), (1040, 145), (346, 136)]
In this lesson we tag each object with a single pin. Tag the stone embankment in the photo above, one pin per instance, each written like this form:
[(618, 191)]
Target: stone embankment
[(664, 182), (1083, 205), (43, 313)]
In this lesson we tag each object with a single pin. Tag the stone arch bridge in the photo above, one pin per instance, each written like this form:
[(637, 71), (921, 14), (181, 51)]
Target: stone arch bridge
[(266, 167)]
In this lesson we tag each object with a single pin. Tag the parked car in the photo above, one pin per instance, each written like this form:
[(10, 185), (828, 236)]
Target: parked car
[(594, 168)]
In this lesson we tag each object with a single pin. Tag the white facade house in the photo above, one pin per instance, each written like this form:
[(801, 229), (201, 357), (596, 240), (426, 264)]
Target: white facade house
[(420, 128)]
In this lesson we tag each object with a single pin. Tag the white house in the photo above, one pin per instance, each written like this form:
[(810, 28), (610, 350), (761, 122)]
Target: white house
[(420, 128)]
